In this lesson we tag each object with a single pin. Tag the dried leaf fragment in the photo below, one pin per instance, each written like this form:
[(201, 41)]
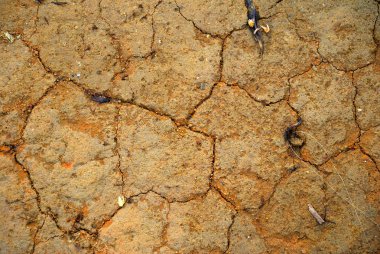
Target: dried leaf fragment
[(9, 37), (266, 28)]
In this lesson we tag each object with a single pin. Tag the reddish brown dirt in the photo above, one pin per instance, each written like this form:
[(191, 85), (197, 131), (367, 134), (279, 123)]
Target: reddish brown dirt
[(187, 152)]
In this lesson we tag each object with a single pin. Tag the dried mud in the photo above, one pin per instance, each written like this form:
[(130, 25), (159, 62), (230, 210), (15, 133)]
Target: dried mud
[(170, 105)]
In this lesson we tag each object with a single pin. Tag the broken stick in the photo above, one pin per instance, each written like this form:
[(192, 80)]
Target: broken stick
[(315, 214)]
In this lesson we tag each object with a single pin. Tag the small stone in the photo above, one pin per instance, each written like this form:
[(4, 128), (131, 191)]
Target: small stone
[(121, 201)]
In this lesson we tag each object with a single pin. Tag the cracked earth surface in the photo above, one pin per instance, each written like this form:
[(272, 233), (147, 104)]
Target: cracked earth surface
[(191, 131)]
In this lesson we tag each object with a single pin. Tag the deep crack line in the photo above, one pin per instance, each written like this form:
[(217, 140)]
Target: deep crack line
[(221, 55), (224, 197), (275, 4), (153, 27), (36, 234), (30, 109), (139, 105), (221, 63), (233, 217), (195, 26), (117, 148), (36, 52), (355, 109), (369, 156), (119, 57), (348, 200), (38, 197), (114, 213), (360, 130), (262, 102), (194, 110)]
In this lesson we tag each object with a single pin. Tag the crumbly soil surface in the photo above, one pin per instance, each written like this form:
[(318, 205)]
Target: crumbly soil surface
[(157, 127)]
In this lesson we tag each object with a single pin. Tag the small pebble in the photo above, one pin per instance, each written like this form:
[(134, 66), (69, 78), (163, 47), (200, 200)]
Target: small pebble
[(202, 86), (121, 201)]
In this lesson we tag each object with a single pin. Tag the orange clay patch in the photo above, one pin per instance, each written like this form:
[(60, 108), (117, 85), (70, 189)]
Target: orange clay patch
[(84, 127), (85, 210), (4, 149), (107, 224), (67, 165), (21, 175)]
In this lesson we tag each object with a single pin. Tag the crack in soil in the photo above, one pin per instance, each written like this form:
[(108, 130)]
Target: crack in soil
[(35, 20), (128, 199), (115, 41), (325, 60), (35, 235), (153, 27), (195, 26), (48, 211), (360, 131), (36, 52), (117, 148), (120, 102), (275, 4), (355, 109), (231, 202), (229, 232), (348, 147), (194, 110), (211, 178), (28, 112), (211, 186), (262, 102), (334, 156), (369, 156)]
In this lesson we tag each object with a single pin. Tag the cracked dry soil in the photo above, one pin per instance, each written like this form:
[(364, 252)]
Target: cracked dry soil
[(191, 131)]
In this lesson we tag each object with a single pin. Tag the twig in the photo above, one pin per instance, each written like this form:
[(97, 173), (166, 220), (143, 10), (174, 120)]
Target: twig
[(315, 214)]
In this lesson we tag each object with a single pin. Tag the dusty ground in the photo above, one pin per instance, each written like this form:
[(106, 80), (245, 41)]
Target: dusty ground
[(191, 131)]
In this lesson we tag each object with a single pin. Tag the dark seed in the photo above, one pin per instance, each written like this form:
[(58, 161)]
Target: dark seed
[(100, 98), (59, 3), (79, 217), (293, 168), (290, 132)]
